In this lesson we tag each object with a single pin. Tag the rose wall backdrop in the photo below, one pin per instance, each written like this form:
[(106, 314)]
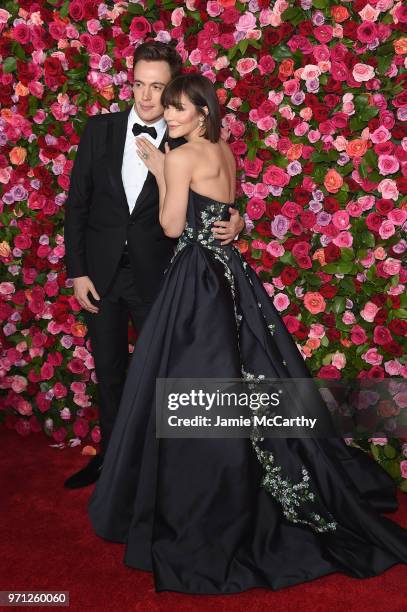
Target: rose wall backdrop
[(315, 110)]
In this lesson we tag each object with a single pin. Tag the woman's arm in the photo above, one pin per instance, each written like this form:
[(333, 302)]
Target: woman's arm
[(173, 187)]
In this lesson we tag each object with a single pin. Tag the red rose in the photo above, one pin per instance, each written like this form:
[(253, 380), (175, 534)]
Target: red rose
[(398, 327), (384, 206), (288, 275), (263, 228), (329, 371), (332, 253), (76, 10), (268, 260), (328, 291)]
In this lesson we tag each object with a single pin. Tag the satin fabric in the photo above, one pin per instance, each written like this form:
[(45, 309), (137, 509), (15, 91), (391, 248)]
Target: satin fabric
[(196, 512)]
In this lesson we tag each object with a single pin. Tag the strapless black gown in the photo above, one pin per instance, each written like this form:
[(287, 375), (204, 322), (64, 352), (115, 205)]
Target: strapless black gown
[(215, 516)]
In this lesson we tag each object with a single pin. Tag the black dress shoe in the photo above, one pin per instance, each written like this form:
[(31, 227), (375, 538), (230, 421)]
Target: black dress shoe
[(86, 475)]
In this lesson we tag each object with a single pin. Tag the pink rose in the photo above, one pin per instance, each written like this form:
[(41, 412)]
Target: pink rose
[(372, 357), (139, 28), (369, 312), (378, 441), (18, 384), (403, 468), (338, 360), (358, 335), (392, 266), (275, 249), (388, 164), (397, 216), (281, 301), (256, 208), (381, 134), (362, 72), (388, 189), (246, 22), (276, 176), (246, 65), (340, 219), (386, 230), (266, 64), (392, 367), (343, 239), (253, 167)]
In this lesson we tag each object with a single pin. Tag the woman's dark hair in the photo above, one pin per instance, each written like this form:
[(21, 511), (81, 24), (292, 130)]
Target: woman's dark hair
[(156, 51), (200, 90)]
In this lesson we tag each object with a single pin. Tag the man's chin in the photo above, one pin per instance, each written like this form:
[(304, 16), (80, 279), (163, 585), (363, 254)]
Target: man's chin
[(151, 116)]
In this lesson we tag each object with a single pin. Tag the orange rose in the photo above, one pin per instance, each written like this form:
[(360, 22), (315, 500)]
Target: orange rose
[(356, 148), (242, 245), (222, 95), (313, 343), (400, 46), (314, 302), (5, 250), (89, 450), (333, 181), (79, 330), (17, 155), (21, 90), (339, 13), (295, 151), (108, 92), (319, 255)]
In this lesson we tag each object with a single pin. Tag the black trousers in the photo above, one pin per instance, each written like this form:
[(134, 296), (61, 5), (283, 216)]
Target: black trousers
[(108, 331)]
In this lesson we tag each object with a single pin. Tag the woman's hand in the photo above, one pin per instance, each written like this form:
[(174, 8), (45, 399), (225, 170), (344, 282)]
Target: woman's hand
[(227, 231), (152, 157)]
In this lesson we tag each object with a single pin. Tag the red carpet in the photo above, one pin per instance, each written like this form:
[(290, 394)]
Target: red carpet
[(46, 543)]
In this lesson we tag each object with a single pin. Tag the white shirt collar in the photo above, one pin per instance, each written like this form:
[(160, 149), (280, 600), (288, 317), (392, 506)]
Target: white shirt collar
[(159, 125)]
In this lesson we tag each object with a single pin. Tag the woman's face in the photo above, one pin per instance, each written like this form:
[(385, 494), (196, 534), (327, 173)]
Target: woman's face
[(185, 121)]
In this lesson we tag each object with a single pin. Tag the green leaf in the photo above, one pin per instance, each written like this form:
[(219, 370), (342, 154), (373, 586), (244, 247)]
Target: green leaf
[(9, 64), (367, 239), (403, 484), (390, 451), (281, 52), (339, 304), (347, 254), (242, 45), (401, 313), (320, 4), (340, 267), (64, 11)]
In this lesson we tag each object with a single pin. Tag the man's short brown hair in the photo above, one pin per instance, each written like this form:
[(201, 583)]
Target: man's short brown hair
[(157, 51)]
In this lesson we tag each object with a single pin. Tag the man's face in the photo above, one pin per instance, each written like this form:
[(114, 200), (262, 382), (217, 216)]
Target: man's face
[(150, 78)]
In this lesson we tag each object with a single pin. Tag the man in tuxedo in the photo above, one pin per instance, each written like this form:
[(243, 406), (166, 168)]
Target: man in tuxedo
[(116, 250)]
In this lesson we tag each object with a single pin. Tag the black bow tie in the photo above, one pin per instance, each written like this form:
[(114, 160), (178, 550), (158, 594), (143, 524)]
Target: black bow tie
[(139, 129)]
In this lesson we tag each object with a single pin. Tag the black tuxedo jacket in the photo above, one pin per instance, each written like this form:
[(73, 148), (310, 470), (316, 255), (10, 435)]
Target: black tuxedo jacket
[(97, 216)]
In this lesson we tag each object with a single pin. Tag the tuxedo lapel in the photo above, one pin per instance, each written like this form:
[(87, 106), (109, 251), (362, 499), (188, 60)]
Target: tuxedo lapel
[(116, 135)]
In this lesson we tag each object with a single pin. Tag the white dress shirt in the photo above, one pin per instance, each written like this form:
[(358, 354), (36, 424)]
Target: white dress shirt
[(134, 170)]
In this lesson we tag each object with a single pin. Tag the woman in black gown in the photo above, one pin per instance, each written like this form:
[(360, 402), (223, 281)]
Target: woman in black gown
[(215, 516)]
